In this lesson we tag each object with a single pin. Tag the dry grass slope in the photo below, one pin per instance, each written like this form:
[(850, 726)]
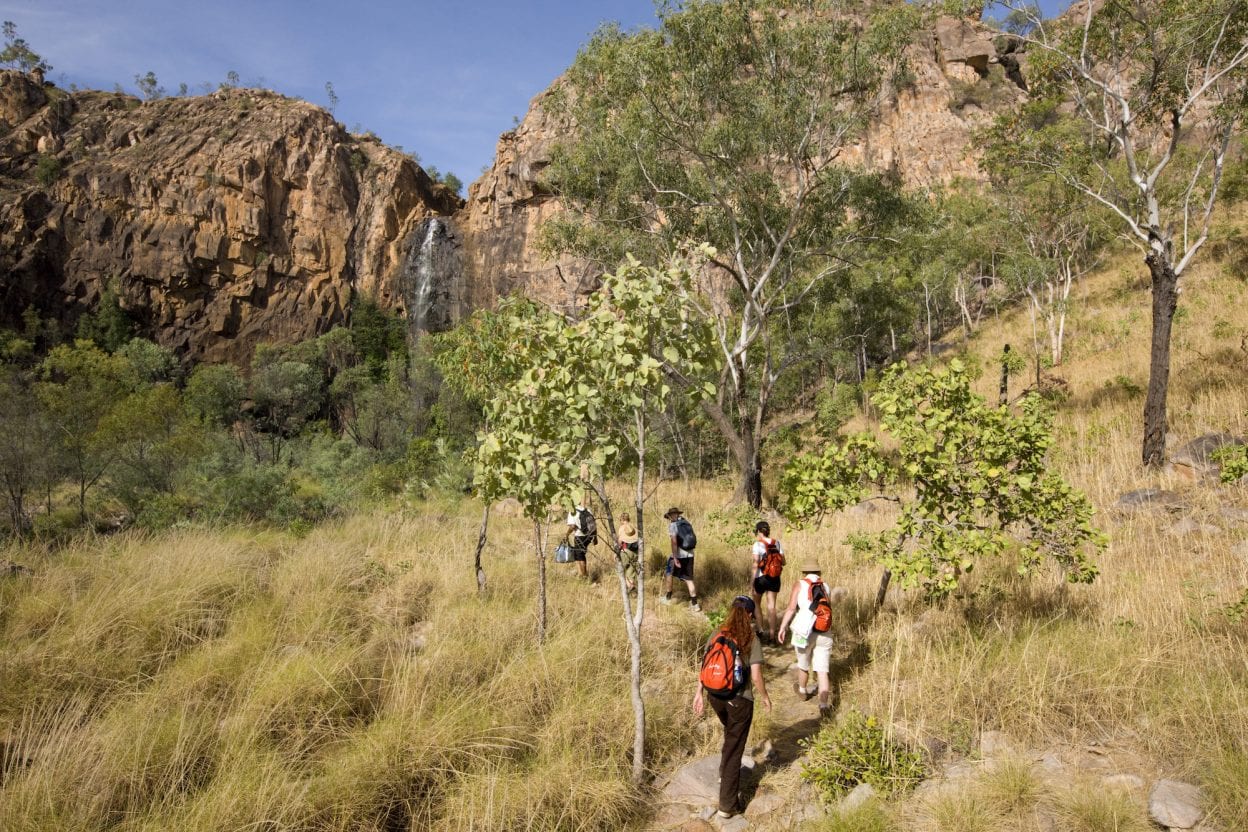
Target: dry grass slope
[(352, 680)]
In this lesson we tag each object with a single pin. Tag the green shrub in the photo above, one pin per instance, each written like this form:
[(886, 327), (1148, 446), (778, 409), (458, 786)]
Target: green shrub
[(1233, 462), (857, 750), (47, 169)]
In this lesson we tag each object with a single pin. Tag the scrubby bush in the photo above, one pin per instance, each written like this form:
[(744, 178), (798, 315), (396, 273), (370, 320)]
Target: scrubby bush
[(857, 749)]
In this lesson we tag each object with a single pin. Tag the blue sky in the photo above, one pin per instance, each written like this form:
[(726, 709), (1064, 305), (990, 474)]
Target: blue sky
[(442, 79)]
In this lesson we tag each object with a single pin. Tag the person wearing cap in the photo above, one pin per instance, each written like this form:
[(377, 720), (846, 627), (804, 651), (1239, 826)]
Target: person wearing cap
[(737, 713), (814, 650), (680, 564), (629, 547)]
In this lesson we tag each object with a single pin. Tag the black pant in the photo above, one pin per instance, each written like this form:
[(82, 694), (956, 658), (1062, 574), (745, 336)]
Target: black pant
[(735, 715)]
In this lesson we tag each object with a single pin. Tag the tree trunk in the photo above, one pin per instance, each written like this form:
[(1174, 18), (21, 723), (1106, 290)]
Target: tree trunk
[(1003, 396), (540, 543), (1165, 301), (478, 572), (883, 590), (632, 625)]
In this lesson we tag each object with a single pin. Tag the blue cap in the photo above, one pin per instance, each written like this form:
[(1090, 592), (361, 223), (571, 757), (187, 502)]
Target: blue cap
[(745, 602)]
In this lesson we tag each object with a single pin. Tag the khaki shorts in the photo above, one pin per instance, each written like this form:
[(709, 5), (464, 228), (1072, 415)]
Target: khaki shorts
[(817, 652)]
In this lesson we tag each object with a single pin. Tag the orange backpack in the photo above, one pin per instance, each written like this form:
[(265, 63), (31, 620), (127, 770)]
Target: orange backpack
[(723, 674), (820, 605), (773, 560)]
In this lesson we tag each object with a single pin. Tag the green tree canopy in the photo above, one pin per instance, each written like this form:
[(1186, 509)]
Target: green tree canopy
[(729, 125)]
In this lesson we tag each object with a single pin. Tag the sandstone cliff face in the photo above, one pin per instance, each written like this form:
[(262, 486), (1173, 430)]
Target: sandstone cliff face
[(962, 76), (221, 221), (501, 220)]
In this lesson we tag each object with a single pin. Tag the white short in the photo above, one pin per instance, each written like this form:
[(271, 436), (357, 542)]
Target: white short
[(818, 651)]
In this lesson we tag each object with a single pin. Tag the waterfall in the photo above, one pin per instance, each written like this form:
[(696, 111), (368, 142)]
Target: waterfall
[(430, 278)]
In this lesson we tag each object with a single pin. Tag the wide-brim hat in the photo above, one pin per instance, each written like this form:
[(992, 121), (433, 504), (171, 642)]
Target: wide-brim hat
[(628, 533), (671, 512), (811, 566)]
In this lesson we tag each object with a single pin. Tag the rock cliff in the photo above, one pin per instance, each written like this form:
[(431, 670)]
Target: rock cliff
[(220, 221), (241, 217), (962, 74)]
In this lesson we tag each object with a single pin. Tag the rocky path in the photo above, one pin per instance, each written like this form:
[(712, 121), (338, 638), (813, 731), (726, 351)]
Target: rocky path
[(688, 795)]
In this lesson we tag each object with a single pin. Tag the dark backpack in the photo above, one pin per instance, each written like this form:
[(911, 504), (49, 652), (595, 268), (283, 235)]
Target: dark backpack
[(589, 527), (685, 538), (821, 606), (723, 675), (773, 560)]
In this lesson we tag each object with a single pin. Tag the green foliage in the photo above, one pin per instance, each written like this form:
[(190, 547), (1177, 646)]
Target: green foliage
[(149, 87), (566, 392), (835, 478), (737, 523), (47, 169), (982, 485), (1237, 611), (80, 384), (215, 393), (453, 182), (856, 749), (17, 52), (725, 126), (1232, 462), (377, 335), (109, 326), (150, 362)]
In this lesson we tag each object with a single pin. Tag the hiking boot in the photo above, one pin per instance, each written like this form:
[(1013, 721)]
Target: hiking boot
[(665, 600), (825, 711), (693, 605), (722, 814), (802, 693)]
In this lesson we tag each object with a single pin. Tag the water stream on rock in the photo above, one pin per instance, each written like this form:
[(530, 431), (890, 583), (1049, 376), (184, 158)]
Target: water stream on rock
[(430, 276)]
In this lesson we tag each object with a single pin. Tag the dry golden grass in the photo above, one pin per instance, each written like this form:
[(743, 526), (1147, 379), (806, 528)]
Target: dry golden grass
[(1142, 660)]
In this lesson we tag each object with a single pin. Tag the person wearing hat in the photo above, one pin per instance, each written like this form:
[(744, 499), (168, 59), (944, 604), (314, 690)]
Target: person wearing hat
[(680, 564), (737, 712), (814, 649), (629, 547)]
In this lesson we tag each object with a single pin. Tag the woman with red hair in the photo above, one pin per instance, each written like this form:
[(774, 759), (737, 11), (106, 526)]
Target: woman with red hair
[(735, 708)]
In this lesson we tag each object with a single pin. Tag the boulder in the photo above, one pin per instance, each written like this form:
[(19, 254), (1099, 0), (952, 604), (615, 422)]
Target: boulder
[(1189, 526), (995, 744), (860, 795), (1123, 782), (697, 783), (1233, 514), (1176, 805), (764, 803), (1194, 461), (960, 41), (1145, 499)]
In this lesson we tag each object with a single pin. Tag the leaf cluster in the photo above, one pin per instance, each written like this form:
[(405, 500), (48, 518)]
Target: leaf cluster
[(563, 394), (980, 478)]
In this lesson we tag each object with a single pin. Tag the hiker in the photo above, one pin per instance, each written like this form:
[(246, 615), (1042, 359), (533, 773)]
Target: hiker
[(727, 683), (581, 534), (810, 613), (628, 545), (767, 558), (680, 564)]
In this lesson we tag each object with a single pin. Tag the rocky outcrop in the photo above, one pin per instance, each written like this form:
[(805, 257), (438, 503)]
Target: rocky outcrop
[(502, 218), (220, 221), (240, 217), (961, 78)]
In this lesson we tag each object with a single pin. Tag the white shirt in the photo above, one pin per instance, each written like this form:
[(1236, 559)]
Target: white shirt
[(681, 554)]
